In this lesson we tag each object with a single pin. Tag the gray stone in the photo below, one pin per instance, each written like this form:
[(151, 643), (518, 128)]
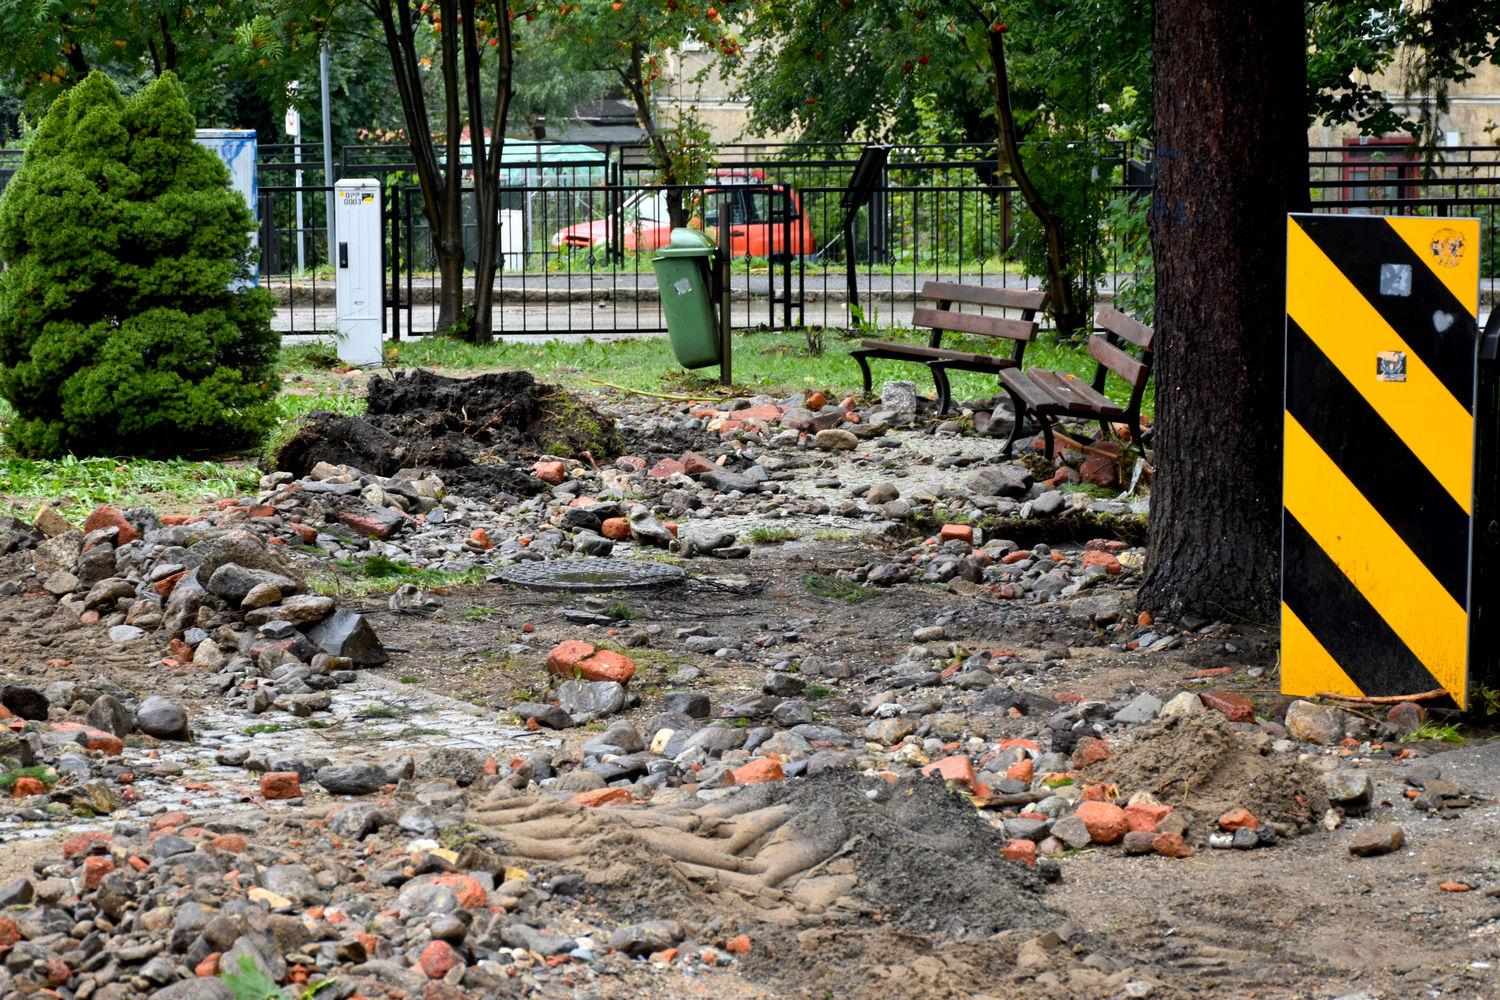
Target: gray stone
[(551, 716), (61, 583), (352, 779), (728, 482), (1351, 791), (899, 396), (647, 530), (822, 734), (1072, 832), (359, 820), (197, 988), (544, 943), (715, 739), (261, 595), (121, 634), (347, 633), (835, 439), (623, 735), (168, 845), (590, 698), (693, 704), (1382, 838), (59, 553), (1047, 504), (95, 564), (1142, 708), (244, 548), (296, 882), (163, 718), (106, 592), (646, 937), (588, 543), (782, 685), (890, 731), (793, 713), (1310, 723), (300, 609), (17, 892), (1034, 830), (1001, 481), (233, 581)]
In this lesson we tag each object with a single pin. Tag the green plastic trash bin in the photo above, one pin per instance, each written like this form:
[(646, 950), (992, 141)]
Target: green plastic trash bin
[(682, 273)]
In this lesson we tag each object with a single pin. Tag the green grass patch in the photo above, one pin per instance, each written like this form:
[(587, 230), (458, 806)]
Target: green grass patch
[(378, 574), (817, 692), (770, 536), (1437, 733), (620, 613), (847, 591), (124, 482), (762, 358), (380, 712), (1091, 489)]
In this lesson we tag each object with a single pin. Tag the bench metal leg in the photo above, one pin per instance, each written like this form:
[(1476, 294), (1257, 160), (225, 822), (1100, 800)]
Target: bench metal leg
[(864, 367), (1018, 408), (944, 390), (1046, 423)]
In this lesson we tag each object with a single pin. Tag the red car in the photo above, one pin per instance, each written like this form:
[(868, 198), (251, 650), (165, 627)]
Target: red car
[(755, 226)]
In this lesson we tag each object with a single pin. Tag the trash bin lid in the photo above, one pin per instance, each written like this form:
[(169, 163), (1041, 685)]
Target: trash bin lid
[(686, 243), (690, 238)]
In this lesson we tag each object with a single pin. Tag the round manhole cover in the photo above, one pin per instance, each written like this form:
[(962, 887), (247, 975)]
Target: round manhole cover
[(590, 574)]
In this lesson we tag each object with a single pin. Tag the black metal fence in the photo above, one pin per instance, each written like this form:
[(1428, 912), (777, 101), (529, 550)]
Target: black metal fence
[(577, 234), (578, 227)]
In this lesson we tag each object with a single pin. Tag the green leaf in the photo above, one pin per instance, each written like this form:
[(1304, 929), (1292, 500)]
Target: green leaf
[(250, 983)]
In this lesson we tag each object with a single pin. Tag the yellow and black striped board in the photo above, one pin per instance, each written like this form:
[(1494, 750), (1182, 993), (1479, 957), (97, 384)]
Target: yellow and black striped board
[(1378, 487)]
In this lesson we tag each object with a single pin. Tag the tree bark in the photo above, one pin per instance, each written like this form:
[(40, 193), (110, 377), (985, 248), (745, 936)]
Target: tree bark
[(485, 156), (1231, 161)]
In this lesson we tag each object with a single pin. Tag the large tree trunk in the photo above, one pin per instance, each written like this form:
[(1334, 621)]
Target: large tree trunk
[(1231, 160)]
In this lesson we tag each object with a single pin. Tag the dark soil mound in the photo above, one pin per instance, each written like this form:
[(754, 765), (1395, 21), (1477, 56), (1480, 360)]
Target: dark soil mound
[(479, 434)]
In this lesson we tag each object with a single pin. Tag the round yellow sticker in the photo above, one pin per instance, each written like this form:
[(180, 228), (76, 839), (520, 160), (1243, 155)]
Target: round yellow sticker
[(1447, 247)]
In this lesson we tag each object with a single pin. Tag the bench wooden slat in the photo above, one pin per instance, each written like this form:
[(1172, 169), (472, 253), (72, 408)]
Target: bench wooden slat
[(1117, 323), (1063, 390), (915, 351), (937, 321), (983, 326), (978, 295), (1029, 392), (1117, 361)]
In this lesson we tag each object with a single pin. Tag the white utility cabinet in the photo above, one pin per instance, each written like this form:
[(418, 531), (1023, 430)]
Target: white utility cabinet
[(358, 286)]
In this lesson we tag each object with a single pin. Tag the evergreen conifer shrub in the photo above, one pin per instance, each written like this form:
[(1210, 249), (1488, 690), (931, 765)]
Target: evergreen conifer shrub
[(120, 238)]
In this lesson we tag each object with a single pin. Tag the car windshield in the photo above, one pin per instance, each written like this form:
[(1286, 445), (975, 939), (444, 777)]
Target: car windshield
[(646, 206)]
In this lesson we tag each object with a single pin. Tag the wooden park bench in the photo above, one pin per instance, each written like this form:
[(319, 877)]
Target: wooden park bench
[(1044, 395), (943, 319)]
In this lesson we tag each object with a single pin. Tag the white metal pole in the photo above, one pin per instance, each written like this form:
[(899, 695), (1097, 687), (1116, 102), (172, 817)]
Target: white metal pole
[(294, 118), (328, 177)]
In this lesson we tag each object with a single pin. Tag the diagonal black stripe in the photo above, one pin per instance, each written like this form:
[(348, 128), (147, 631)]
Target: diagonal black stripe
[(1340, 618), (1358, 246), (1381, 466)]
